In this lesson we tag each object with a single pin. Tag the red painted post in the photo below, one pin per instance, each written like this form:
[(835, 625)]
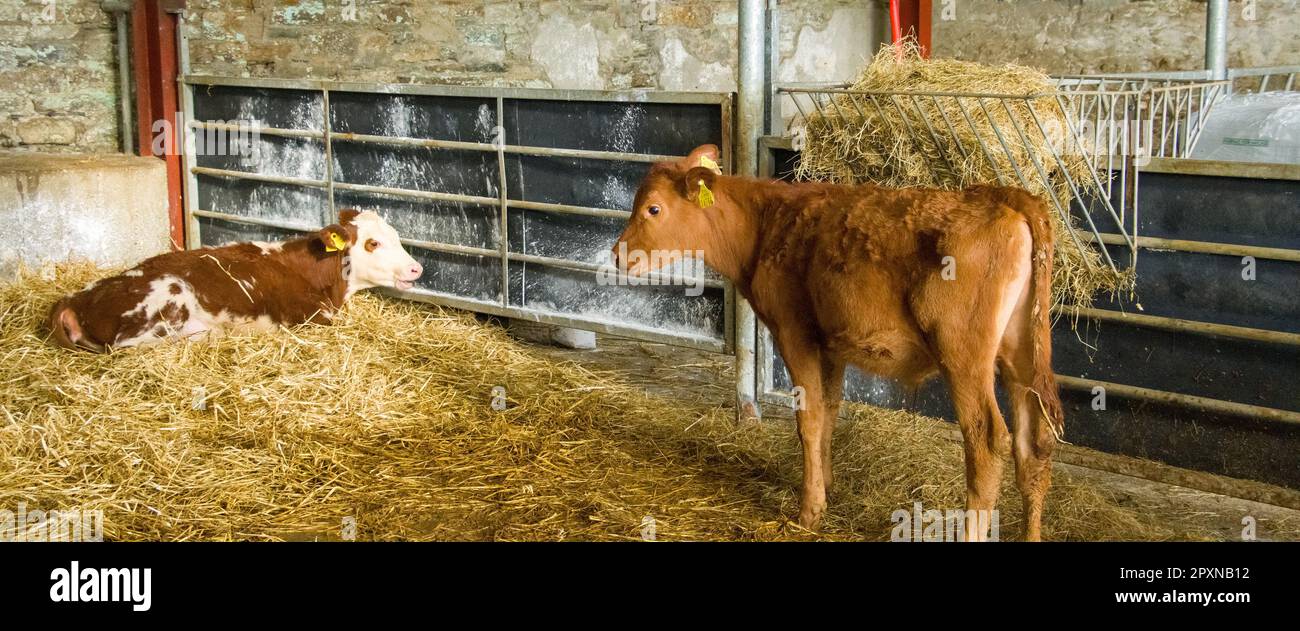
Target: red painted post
[(154, 57)]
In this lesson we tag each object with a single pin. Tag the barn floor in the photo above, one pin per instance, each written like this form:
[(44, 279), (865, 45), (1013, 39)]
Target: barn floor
[(688, 375), (408, 422)]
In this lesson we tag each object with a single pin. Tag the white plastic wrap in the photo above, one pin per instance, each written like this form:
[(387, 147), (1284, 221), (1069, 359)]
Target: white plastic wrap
[(1253, 128)]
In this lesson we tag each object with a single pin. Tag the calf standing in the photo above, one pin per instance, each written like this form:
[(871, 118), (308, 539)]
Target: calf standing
[(902, 283), (253, 285)]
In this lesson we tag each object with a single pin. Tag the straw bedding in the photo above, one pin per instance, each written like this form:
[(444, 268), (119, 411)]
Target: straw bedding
[(856, 140), (387, 418)]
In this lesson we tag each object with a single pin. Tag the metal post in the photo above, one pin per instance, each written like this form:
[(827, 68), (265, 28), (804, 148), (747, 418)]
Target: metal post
[(331, 211), (1216, 39), (120, 9), (773, 100), (750, 120), (189, 181)]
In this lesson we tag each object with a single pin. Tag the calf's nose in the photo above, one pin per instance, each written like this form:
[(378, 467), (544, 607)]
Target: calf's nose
[(416, 270)]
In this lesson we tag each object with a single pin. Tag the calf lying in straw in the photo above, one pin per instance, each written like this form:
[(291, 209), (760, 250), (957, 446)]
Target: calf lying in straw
[(253, 285), (902, 283)]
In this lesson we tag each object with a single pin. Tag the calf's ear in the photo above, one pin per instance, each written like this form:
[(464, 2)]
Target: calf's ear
[(346, 215), (337, 238), (703, 151), (697, 186)]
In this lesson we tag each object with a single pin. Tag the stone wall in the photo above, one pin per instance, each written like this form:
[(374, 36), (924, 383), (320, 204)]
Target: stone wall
[(1072, 36), (583, 44), (58, 76)]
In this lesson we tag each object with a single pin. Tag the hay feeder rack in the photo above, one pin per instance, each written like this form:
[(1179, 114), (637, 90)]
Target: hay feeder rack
[(1114, 124)]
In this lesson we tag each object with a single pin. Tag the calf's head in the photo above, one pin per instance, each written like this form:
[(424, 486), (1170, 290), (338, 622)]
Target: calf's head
[(376, 257), (670, 213)]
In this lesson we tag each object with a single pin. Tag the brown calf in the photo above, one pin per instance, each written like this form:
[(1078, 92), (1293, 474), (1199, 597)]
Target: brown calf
[(902, 283), (252, 285)]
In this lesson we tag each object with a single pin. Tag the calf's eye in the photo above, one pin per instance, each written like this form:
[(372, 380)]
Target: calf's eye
[(371, 244), (654, 210)]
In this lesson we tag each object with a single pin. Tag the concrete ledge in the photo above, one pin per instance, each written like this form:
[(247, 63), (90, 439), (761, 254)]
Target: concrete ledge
[(107, 208)]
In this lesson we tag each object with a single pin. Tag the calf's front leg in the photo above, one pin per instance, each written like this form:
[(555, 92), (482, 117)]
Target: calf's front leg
[(804, 361)]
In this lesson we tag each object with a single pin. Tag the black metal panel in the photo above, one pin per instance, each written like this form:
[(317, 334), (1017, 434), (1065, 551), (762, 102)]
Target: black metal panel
[(1227, 445), (220, 232), (652, 128), (1243, 371), (581, 182), (465, 119), (284, 109), (1210, 288), (476, 277), (1243, 211), (572, 237), (416, 168), (659, 307), (295, 205), (273, 155)]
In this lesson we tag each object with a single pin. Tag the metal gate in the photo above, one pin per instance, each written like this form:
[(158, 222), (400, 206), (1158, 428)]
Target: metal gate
[(510, 198)]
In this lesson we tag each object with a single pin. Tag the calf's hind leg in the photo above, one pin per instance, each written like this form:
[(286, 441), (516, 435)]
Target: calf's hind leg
[(1033, 440), (967, 352)]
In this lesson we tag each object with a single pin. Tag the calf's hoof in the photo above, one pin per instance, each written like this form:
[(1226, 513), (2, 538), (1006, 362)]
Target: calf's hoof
[(810, 518)]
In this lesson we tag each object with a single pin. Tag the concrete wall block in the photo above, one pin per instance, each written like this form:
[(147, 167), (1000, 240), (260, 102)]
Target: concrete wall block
[(111, 209)]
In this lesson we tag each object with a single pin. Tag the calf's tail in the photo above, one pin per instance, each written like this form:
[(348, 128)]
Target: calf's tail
[(66, 331), (1044, 385)]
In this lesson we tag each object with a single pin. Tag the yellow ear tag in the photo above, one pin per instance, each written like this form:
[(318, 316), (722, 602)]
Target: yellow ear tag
[(705, 198), (708, 163), (336, 243)]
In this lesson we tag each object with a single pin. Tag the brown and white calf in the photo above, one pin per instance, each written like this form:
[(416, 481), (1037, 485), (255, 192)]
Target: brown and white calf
[(252, 285), (902, 283)]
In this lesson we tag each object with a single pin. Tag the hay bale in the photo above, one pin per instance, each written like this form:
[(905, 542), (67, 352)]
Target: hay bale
[(386, 417), (887, 141)]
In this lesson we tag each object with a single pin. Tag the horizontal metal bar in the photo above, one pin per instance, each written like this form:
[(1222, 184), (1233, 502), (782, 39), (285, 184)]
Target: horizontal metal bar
[(974, 95), (415, 194), (1186, 326), (1162, 74), (1204, 404), (432, 143), (259, 130), (784, 143), (1233, 73), (558, 152), (258, 221), (1253, 170), (543, 94), (259, 177), (570, 209), (565, 209), (687, 340), (1199, 247)]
